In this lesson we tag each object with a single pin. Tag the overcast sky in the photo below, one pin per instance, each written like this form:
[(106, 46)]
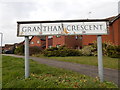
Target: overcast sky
[(12, 11)]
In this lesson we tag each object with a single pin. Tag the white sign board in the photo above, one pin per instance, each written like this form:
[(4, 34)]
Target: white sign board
[(65, 28)]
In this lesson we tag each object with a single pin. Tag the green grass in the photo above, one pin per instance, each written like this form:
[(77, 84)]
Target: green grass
[(0, 71), (88, 60), (43, 76)]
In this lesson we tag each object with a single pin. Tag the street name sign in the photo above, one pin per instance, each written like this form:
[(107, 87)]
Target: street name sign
[(62, 28)]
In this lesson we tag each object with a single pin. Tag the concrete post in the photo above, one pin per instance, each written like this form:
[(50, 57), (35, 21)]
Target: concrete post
[(100, 61), (26, 56)]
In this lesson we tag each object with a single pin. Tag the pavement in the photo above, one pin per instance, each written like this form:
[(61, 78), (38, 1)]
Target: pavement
[(109, 74)]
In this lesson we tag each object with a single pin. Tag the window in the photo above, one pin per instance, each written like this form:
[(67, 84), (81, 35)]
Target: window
[(58, 45), (81, 37), (50, 46), (91, 44), (50, 36), (16, 46), (31, 42), (76, 37), (58, 36), (38, 42)]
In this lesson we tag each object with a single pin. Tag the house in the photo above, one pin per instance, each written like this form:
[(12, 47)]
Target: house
[(73, 42), (9, 48), (19, 44), (115, 28), (40, 41), (77, 41), (113, 33)]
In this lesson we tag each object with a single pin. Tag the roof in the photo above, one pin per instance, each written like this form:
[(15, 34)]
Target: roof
[(114, 19), (58, 21), (110, 18), (7, 45), (40, 37), (20, 43)]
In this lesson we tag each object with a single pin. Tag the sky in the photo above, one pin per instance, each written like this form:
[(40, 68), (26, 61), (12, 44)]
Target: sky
[(12, 11)]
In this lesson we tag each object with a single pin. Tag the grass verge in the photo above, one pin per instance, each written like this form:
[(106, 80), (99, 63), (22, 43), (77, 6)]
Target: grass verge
[(88, 60), (43, 76)]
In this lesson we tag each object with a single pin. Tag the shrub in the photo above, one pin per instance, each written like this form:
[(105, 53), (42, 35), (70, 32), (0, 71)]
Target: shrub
[(50, 52), (87, 51), (61, 52), (19, 50), (105, 46), (108, 49), (34, 50), (52, 49), (114, 51), (74, 52), (104, 49)]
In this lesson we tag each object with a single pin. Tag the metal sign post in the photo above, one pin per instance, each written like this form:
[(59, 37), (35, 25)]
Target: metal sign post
[(26, 56), (100, 61), (1, 61)]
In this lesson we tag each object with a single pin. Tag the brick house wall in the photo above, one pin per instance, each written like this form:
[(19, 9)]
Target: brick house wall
[(73, 42), (88, 39), (58, 40), (33, 42), (49, 42), (116, 32), (69, 41), (37, 41), (112, 37)]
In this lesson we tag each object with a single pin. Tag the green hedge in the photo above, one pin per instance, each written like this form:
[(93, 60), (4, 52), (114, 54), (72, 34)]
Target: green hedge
[(91, 50), (61, 52), (107, 48), (34, 50), (114, 51), (19, 50)]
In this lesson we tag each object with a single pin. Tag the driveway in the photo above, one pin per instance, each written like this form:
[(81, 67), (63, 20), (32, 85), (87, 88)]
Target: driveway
[(109, 74)]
